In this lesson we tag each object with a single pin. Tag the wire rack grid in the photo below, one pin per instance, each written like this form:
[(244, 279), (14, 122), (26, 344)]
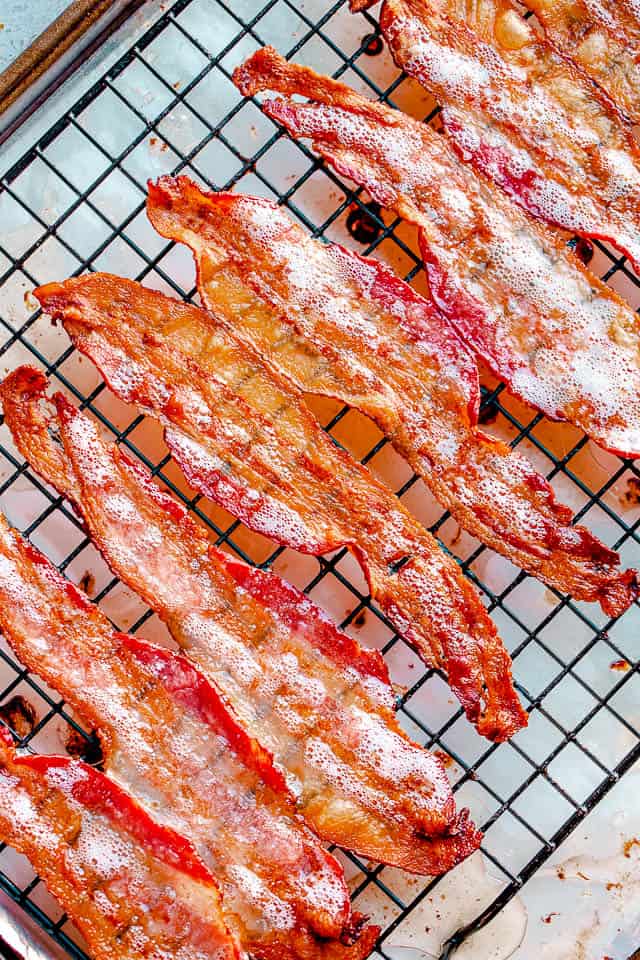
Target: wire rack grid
[(75, 202)]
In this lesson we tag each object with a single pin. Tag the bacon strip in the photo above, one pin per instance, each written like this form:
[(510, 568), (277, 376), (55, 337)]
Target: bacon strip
[(336, 323), (133, 888), (560, 338), (172, 742), (603, 38), (244, 436), (522, 115), (321, 705)]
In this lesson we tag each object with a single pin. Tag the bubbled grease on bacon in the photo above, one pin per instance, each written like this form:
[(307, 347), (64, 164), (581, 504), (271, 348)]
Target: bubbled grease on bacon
[(244, 436), (281, 889), (288, 690), (109, 864), (379, 346), (389, 794), (603, 38), (522, 115), (561, 339)]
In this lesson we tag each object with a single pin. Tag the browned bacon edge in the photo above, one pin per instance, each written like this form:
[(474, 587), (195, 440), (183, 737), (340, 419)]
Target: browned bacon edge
[(22, 395), (260, 253), (75, 649), (563, 184), (48, 805), (560, 338), (243, 435), (601, 42)]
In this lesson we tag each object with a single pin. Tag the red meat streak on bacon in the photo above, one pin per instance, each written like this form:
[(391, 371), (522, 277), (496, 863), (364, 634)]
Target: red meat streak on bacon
[(321, 705), (560, 338), (339, 324), (170, 739), (133, 888), (244, 436), (602, 37), (522, 115)]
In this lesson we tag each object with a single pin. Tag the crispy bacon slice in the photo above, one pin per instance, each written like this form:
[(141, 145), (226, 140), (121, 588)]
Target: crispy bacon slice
[(171, 741), (244, 436), (560, 338), (379, 346), (522, 115), (320, 704), (603, 38), (133, 888)]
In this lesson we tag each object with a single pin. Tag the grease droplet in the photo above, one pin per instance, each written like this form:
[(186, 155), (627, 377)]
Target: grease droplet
[(81, 747), (19, 715), (362, 222), (372, 44)]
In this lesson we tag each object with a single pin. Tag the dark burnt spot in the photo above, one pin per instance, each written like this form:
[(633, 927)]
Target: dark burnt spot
[(372, 44), (456, 538), (86, 748), (360, 619), (87, 582), (19, 715), (489, 412), (362, 223), (151, 339), (631, 495), (352, 929), (583, 249)]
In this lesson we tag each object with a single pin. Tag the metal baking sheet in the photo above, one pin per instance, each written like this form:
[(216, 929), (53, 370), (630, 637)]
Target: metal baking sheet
[(41, 44)]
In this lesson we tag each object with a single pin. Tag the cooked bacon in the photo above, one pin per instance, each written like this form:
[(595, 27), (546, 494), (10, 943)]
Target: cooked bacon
[(522, 115), (560, 338), (171, 741), (603, 38), (321, 705), (339, 324), (243, 436), (133, 888)]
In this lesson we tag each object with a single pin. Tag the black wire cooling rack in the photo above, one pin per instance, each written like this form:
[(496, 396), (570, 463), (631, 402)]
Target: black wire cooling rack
[(75, 200)]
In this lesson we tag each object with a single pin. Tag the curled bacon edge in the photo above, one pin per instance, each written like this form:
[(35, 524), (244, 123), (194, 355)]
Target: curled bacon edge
[(22, 394), (571, 193), (504, 345), (605, 48), (567, 557), (94, 791), (440, 614), (80, 638)]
